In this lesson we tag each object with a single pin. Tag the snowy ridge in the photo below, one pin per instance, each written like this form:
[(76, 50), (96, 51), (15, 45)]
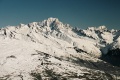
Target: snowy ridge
[(53, 50)]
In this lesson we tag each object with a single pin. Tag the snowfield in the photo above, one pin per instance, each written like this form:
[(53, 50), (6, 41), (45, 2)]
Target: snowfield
[(51, 50)]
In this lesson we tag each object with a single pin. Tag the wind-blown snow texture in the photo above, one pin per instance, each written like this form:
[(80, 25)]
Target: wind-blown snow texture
[(51, 50)]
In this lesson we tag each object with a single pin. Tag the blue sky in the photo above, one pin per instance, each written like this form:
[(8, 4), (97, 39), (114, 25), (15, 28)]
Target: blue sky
[(78, 13)]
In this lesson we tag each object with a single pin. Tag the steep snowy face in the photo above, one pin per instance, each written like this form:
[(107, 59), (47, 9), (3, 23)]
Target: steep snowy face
[(51, 26), (116, 44), (52, 48), (101, 35), (48, 25), (54, 23)]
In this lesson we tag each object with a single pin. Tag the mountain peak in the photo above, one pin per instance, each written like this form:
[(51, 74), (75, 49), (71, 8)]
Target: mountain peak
[(52, 19), (102, 28), (97, 28)]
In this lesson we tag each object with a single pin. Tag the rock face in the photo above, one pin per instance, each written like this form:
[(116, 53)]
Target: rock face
[(51, 50)]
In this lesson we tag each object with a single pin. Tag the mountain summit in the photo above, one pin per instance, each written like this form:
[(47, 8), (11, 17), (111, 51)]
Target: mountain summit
[(51, 50)]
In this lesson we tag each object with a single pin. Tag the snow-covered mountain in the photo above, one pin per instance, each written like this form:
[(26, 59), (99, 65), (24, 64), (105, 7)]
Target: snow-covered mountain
[(51, 50)]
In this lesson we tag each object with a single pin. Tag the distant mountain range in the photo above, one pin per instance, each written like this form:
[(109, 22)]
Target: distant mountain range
[(51, 50)]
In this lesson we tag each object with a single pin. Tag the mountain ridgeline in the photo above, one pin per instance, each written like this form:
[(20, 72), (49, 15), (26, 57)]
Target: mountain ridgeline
[(55, 51)]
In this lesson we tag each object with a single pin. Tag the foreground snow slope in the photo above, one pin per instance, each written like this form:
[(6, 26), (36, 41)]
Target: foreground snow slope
[(51, 50)]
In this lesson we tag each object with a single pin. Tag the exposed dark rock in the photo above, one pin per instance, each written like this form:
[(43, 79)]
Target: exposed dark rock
[(113, 57)]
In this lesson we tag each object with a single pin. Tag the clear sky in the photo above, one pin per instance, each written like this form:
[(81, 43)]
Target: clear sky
[(78, 13)]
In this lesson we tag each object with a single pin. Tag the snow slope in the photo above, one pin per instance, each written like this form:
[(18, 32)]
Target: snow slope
[(52, 50)]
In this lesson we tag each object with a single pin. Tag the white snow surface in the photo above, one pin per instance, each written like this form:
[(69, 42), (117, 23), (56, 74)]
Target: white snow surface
[(25, 47)]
